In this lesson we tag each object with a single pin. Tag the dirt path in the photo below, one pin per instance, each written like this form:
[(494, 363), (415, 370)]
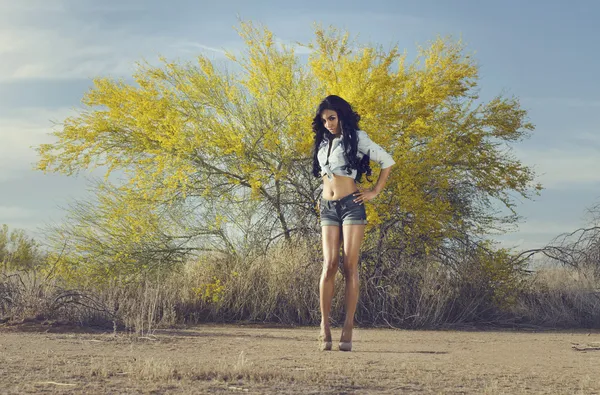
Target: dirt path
[(232, 359)]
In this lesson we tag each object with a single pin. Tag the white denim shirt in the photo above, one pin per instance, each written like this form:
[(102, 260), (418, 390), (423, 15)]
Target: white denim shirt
[(337, 160)]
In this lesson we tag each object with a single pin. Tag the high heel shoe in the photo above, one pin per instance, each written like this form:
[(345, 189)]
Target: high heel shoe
[(345, 346), (323, 344)]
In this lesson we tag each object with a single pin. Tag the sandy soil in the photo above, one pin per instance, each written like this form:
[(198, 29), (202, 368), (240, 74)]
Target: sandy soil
[(244, 359)]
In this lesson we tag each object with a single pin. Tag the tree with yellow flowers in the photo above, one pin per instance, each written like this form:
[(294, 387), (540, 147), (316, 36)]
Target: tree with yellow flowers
[(215, 158)]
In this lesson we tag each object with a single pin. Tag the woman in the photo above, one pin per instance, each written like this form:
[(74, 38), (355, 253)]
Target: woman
[(341, 155)]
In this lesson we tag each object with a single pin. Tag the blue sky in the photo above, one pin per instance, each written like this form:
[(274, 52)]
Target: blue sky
[(544, 52)]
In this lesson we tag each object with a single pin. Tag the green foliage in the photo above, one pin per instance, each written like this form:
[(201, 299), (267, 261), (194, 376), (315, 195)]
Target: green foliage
[(18, 251)]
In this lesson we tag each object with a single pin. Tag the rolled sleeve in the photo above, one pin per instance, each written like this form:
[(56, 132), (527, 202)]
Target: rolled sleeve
[(376, 153)]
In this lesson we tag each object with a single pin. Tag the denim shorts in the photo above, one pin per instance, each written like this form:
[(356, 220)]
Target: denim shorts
[(343, 212)]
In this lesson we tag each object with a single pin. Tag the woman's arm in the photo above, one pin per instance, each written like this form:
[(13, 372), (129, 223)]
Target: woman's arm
[(378, 155), (370, 194)]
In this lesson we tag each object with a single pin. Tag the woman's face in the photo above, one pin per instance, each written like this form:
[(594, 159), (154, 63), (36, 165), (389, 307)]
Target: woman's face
[(330, 121)]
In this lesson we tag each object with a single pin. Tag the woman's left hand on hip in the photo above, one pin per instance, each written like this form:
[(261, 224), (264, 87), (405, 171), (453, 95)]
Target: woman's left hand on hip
[(364, 196)]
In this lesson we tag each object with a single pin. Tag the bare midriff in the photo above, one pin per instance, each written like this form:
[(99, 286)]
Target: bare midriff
[(338, 187)]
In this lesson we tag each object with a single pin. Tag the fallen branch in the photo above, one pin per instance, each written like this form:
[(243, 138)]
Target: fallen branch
[(585, 347)]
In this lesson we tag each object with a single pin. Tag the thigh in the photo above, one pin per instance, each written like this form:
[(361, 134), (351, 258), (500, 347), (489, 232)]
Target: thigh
[(353, 238), (331, 243)]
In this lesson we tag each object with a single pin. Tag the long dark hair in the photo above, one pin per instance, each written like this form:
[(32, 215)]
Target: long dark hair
[(348, 121)]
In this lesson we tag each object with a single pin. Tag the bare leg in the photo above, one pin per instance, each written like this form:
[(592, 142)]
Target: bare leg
[(331, 256), (353, 237)]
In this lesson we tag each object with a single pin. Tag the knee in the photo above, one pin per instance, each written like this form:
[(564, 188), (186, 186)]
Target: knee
[(350, 270), (351, 275), (330, 267)]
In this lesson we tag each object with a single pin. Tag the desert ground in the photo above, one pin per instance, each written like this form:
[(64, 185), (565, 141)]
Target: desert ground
[(50, 359)]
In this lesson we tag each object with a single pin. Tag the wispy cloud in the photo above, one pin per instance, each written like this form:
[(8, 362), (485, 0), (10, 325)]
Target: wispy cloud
[(32, 5), (562, 102), (537, 233), (298, 49), (50, 54), (548, 227), (17, 217), (189, 46), (77, 44), (563, 168), (20, 133), (65, 6), (15, 212), (587, 140)]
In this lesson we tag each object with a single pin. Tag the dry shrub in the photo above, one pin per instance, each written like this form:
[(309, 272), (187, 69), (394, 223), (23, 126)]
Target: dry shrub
[(404, 295), (565, 291), (561, 297), (141, 306), (282, 286), (31, 294)]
